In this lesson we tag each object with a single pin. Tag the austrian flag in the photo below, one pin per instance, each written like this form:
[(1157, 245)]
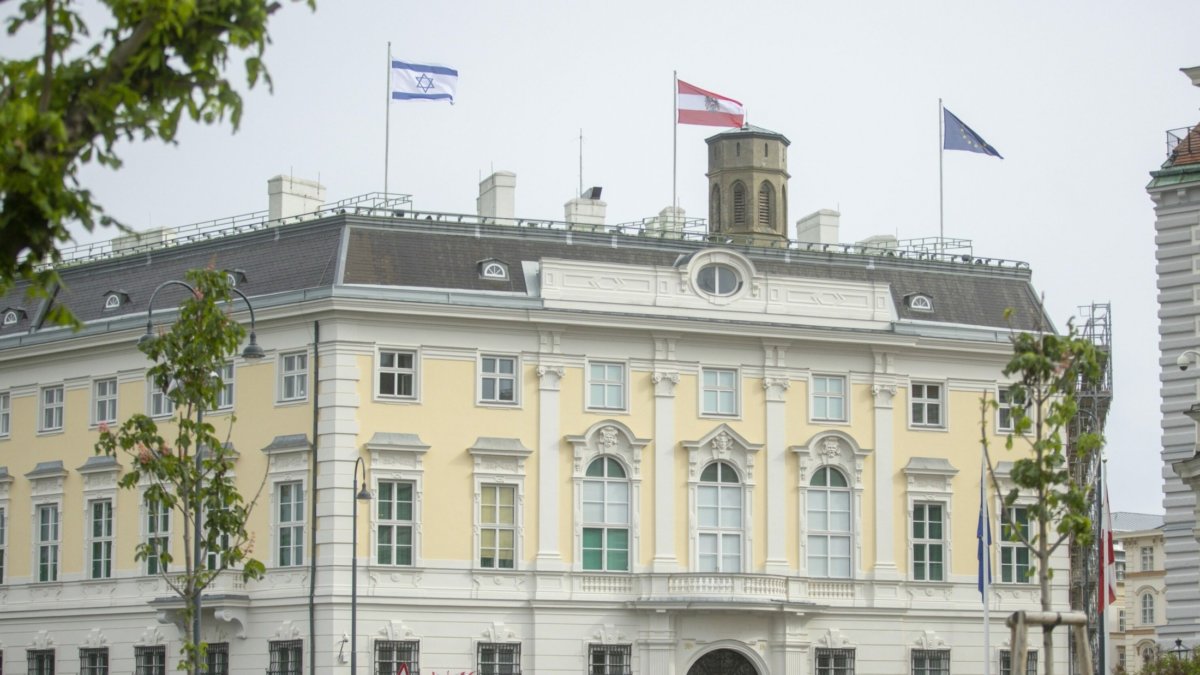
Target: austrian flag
[(697, 106)]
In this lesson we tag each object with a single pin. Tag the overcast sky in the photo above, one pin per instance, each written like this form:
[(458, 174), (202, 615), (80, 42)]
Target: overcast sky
[(1075, 95)]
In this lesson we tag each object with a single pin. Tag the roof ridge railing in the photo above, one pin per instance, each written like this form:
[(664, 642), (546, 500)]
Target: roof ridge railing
[(1182, 136), (398, 206)]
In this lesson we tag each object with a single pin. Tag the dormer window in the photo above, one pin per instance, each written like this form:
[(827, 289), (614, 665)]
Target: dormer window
[(11, 316), (115, 299), (920, 302), (493, 269), (235, 277)]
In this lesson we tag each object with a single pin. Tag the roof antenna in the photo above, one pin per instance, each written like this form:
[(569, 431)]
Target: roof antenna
[(580, 162)]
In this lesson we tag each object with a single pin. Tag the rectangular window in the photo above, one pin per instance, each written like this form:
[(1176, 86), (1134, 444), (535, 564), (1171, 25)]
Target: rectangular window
[(285, 657), (1121, 621), (161, 405), (1031, 662), (397, 374), (1014, 556), (499, 658), (928, 545), (5, 414), (39, 661), (718, 391), (100, 546), (498, 379), (290, 498), (104, 393), (834, 661), (610, 659), (293, 374), (1004, 411), (48, 542), (606, 386), (931, 662), (93, 661), (395, 523), (927, 405), (150, 660), (829, 398), (497, 526), (216, 657), (214, 556), (158, 536), (225, 395), (1147, 559), (3, 543), (52, 408), (719, 535), (391, 654)]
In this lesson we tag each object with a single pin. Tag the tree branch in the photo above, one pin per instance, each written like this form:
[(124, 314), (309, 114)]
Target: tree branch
[(47, 59)]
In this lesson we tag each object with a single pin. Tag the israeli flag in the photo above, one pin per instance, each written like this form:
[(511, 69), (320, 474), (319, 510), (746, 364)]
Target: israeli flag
[(423, 82)]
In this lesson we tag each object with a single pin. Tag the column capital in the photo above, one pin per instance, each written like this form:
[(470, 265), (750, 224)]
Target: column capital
[(664, 382), (883, 392), (550, 376), (776, 388)]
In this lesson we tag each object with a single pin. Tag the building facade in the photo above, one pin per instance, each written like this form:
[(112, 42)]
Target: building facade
[(590, 449), (1175, 191), (1140, 608)]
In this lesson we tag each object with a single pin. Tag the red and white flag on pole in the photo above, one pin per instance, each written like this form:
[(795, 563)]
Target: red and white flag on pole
[(698, 106), (1107, 588)]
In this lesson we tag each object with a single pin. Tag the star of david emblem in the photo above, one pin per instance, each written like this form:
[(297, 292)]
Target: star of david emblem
[(710, 104), (424, 83)]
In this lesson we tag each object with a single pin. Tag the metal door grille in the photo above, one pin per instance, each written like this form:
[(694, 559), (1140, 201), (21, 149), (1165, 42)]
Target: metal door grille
[(391, 654), (835, 661), (286, 657), (610, 659)]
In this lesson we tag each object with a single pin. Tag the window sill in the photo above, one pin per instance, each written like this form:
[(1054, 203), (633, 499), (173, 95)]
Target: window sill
[(502, 405), (829, 422), (380, 398), (291, 402)]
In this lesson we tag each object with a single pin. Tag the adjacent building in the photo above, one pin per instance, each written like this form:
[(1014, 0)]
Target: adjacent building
[(1140, 608), (674, 447)]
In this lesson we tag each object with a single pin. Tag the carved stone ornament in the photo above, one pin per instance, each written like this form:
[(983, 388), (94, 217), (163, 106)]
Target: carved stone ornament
[(287, 631), (721, 445), (608, 634), (608, 438), (498, 632), (929, 640), (831, 448), (395, 630), (834, 639), (550, 376), (664, 382), (776, 387), (41, 640), (95, 639), (883, 393), (151, 636)]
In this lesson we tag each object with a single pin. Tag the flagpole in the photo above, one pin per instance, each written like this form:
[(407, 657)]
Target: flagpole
[(941, 188), (1102, 593), (387, 124), (674, 143), (987, 565)]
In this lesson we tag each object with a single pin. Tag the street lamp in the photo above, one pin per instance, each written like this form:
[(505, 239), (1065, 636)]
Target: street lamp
[(1178, 651), (361, 494), (252, 352)]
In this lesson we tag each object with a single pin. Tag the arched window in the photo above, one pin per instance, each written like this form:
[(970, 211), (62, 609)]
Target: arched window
[(739, 204), (605, 516), (829, 524), (766, 204), (719, 516), (1148, 608), (714, 209)]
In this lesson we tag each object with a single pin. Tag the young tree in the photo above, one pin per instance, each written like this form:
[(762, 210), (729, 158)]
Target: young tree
[(1049, 370), (151, 64), (187, 471)]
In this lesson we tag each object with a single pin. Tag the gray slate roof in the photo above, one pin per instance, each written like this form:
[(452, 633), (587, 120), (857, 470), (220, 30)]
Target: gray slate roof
[(1124, 521)]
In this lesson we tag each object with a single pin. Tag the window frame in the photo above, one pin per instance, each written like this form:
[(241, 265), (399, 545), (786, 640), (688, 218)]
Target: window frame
[(829, 534), (226, 395), (719, 532), (482, 375), (156, 529), (215, 664), (1147, 608), (394, 523), (5, 414), (942, 667), (35, 661), (285, 657), (101, 401), (622, 384), (718, 389), (294, 524), (607, 651), (406, 652), (927, 541), (413, 373), (1004, 408), (150, 660), (497, 527), (926, 401), (493, 667), (1005, 662), (48, 571), (606, 526), (814, 395), (296, 375), (105, 540), (87, 658), (159, 405), (3, 541), (52, 415), (1015, 546), (1147, 557), (832, 668)]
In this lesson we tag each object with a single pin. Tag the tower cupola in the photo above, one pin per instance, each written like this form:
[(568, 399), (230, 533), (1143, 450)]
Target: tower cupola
[(747, 186)]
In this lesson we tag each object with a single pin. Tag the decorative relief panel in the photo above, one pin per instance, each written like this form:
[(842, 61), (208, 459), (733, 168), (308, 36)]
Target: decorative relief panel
[(722, 443)]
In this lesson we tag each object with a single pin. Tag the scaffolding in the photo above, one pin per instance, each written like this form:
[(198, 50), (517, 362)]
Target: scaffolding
[(1094, 400)]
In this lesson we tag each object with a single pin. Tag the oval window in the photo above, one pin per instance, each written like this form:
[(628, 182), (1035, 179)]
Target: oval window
[(718, 280)]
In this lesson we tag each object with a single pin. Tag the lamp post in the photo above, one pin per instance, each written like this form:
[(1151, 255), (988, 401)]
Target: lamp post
[(252, 352), (361, 494), (1178, 651)]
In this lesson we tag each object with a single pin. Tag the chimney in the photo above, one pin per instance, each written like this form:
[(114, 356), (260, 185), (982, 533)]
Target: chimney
[(887, 241), (669, 223), (585, 212), (819, 227), (498, 197), (288, 196)]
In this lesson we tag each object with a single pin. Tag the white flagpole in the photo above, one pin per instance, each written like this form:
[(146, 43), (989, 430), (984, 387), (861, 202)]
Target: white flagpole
[(674, 142), (987, 568), (387, 124), (941, 190)]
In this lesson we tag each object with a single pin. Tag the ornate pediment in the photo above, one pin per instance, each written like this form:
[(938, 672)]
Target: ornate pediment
[(722, 444), (609, 437)]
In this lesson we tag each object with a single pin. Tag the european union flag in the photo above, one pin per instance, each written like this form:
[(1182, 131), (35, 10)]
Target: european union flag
[(958, 136)]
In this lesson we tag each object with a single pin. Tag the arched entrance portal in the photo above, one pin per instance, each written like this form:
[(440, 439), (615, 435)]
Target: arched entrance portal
[(723, 662)]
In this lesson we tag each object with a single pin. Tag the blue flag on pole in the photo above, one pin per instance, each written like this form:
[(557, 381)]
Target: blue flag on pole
[(422, 82), (984, 533), (958, 136)]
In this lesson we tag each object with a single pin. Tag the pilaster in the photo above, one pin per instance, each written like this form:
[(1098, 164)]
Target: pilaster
[(549, 555), (883, 389), (776, 387), (665, 559)]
